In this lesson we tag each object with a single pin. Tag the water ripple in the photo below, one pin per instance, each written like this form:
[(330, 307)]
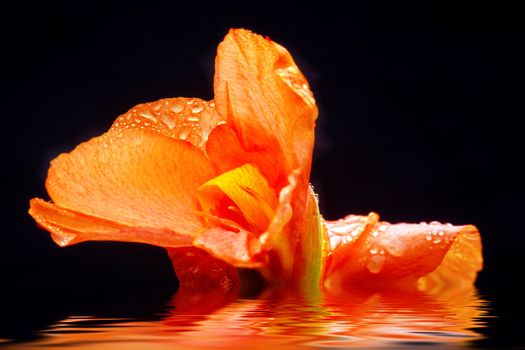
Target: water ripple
[(276, 320)]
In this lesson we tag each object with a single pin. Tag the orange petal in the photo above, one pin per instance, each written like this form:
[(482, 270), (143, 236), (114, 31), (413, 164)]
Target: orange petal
[(374, 253), (134, 178), (69, 227), (264, 97), (189, 119), (247, 188)]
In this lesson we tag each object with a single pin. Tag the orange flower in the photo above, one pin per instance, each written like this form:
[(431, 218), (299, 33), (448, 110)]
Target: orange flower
[(224, 184)]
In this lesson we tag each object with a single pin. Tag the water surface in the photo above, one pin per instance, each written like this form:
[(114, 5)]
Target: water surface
[(446, 319)]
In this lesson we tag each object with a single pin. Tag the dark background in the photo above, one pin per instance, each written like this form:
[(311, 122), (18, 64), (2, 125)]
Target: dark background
[(419, 105)]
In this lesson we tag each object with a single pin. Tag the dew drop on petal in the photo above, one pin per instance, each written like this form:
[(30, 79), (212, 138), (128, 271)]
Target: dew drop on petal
[(62, 238), (375, 263), (169, 122), (340, 230), (197, 108), (148, 116), (183, 134), (177, 107), (396, 247)]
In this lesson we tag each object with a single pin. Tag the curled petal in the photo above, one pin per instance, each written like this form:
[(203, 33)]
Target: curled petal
[(68, 227), (133, 178), (371, 253)]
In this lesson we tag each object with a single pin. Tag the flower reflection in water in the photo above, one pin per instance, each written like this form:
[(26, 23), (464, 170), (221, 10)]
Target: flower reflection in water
[(276, 320)]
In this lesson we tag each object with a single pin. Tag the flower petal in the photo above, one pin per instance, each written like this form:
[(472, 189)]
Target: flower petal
[(69, 227), (189, 119), (374, 253), (264, 97), (134, 178)]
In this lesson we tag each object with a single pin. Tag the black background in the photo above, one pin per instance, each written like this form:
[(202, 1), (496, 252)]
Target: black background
[(420, 107)]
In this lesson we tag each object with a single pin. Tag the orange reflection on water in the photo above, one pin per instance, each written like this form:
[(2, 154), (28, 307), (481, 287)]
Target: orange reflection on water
[(387, 319)]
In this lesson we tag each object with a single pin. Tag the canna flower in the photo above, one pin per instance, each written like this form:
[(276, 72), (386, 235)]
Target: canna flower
[(224, 184)]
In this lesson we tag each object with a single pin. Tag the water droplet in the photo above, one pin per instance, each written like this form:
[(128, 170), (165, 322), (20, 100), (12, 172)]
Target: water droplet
[(193, 118), (373, 251), (383, 228), (177, 108), (137, 120), (197, 108), (375, 233), (169, 122), (183, 134), (375, 263), (382, 251), (190, 102), (211, 104), (340, 230), (148, 116), (347, 239), (395, 247), (437, 240), (434, 223), (423, 223), (441, 233), (428, 237), (62, 238)]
